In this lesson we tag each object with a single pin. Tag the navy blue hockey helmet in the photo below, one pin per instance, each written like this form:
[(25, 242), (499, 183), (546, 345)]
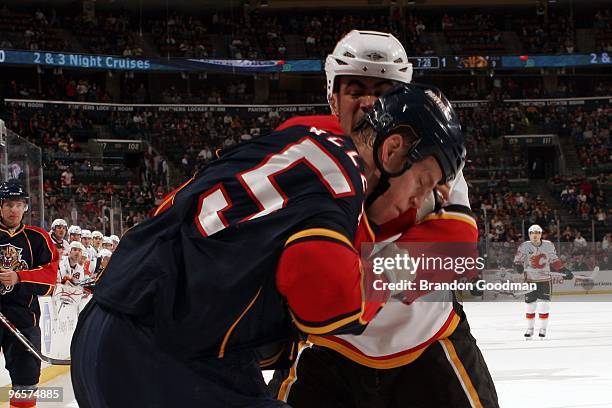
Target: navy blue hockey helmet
[(12, 190), (430, 116)]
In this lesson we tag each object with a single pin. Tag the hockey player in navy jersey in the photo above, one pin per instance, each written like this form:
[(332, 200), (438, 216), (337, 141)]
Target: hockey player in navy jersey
[(28, 268), (259, 243)]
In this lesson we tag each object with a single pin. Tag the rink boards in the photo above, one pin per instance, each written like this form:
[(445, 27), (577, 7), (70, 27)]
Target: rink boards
[(59, 315), (58, 318)]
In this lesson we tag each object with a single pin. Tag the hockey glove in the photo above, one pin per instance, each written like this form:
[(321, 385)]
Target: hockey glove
[(519, 268), (568, 275)]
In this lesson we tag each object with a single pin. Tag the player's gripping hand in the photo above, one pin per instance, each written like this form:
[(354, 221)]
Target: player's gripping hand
[(568, 275), (396, 274)]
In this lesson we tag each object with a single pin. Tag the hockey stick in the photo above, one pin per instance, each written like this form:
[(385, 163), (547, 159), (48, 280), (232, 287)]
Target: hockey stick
[(23, 339), (578, 275)]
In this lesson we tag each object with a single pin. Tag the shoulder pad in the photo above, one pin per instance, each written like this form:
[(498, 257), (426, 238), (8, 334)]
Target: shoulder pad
[(329, 123)]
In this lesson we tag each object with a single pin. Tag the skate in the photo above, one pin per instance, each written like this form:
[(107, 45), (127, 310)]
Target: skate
[(528, 334), (542, 334)]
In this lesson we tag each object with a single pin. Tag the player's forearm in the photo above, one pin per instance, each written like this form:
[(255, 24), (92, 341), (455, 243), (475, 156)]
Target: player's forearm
[(429, 238), (40, 281), (322, 280)]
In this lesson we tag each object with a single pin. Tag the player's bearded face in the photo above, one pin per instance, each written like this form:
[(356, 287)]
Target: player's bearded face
[(356, 96), (12, 212)]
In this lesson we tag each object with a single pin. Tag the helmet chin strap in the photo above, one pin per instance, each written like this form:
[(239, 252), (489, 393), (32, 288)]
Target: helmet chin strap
[(383, 182)]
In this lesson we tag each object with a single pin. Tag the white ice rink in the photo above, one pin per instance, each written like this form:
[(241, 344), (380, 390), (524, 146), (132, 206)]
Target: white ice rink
[(571, 368)]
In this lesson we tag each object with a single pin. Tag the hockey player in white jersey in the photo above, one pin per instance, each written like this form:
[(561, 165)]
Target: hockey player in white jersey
[(96, 240), (59, 228), (115, 241), (74, 233), (90, 251), (107, 243), (71, 269), (411, 349), (535, 258)]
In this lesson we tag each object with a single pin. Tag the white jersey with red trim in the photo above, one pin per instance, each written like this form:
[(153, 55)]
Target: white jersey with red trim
[(74, 274), (537, 259), (61, 246), (92, 255), (400, 332)]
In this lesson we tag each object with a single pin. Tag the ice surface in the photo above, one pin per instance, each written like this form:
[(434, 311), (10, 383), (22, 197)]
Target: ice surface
[(571, 368)]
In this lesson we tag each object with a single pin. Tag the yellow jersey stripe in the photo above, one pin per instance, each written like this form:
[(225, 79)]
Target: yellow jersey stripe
[(380, 363), (443, 215), (459, 369), (233, 326), (321, 232), (283, 392), (327, 328)]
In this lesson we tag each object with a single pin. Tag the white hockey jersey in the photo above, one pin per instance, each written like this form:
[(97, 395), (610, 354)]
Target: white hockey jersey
[(93, 258), (537, 260), (61, 246), (400, 333), (73, 274)]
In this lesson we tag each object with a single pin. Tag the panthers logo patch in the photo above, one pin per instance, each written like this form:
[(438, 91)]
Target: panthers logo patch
[(10, 258)]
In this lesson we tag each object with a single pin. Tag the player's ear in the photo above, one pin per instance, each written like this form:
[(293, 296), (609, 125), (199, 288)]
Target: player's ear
[(393, 153), (333, 104)]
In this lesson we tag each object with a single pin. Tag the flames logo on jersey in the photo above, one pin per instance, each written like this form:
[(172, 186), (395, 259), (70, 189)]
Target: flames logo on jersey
[(538, 261), (10, 258)]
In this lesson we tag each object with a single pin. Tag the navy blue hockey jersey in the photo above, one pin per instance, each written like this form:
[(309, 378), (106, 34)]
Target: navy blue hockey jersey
[(202, 271)]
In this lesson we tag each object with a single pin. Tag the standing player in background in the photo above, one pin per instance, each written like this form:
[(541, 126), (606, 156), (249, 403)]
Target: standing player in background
[(59, 228), (29, 264), (534, 258), (258, 244), (408, 350)]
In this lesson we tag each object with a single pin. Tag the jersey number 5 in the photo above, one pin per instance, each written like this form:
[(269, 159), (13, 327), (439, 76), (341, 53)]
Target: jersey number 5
[(260, 184)]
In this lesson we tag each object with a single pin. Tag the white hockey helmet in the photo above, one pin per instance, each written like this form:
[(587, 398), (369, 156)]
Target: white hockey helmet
[(58, 222), (367, 53), (107, 241), (114, 238), (77, 245), (104, 253), (535, 228), (74, 229), (97, 234), (86, 234)]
